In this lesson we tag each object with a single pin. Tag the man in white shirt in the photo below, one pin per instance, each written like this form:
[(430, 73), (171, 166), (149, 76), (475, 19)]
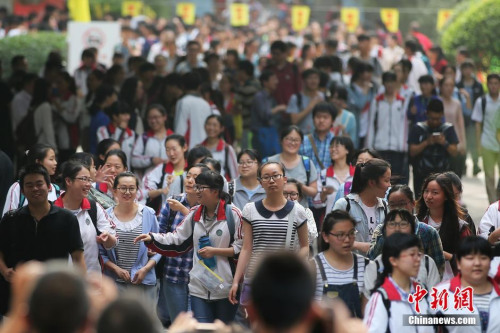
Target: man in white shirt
[(484, 114), (418, 66), (193, 49), (191, 111), (21, 102)]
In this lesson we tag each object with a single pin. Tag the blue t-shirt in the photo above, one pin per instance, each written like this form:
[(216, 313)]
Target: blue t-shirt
[(98, 120)]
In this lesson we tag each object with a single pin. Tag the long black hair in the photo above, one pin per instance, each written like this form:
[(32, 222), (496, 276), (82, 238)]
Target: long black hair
[(215, 181), (449, 232), (70, 169), (393, 246)]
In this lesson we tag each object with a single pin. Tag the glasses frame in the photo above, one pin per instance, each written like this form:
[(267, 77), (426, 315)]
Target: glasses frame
[(397, 225), (87, 180), (247, 163), (273, 177), (200, 188), (341, 237), (124, 190), (289, 195)]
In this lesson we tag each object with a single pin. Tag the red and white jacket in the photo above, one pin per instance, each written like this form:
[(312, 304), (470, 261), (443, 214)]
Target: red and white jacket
[(88, 231), (377, 317), (230, 164), (494, 319), (147, 146), (387, 124), (329, 178)]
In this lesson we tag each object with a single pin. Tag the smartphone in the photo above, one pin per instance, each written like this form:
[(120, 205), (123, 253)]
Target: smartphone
[(436, 134)]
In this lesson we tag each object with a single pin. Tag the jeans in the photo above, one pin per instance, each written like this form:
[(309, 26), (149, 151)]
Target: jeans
[(173, 300), (490, 160), (206, 311)]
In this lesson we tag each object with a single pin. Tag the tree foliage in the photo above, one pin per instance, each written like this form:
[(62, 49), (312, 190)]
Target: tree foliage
[(35, 47), (475, 27)]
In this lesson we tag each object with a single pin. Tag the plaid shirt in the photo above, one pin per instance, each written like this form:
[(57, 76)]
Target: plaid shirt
[(429, 238), (323, 150), (176, 268)]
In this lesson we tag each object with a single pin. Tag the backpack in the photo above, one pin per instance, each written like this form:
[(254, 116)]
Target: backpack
[(483, 108), (231, 188), (93, 214), (26, 132), (348, 207), (22, 198), (433, 158), (306, 161)]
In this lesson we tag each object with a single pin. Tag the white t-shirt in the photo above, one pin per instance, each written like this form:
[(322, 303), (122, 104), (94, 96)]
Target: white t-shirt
[(371, 216), (489, 135)]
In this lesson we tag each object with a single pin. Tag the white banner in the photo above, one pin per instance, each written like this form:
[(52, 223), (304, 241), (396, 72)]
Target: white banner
[(102, 35)]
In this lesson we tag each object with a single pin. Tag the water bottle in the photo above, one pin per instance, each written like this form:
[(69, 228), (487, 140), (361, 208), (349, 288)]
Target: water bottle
[(210, 262)]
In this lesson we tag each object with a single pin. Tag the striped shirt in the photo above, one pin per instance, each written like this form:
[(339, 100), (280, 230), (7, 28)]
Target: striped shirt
[(338, 277), (269, 230), (126, 251)]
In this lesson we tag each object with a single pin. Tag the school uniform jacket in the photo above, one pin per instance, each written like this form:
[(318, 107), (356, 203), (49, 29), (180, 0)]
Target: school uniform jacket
[(186, 237)]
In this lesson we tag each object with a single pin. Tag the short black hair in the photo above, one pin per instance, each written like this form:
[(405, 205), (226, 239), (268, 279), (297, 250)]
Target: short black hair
[(247, 67), (277, 275), (333, 43), (389, 77), (252, 153), (325, 107), (426, 79), (34, 169), (474, 245), (363, 38), (191, 81), (88, 53), (279, 45), (59, 303), (412, 45), (341, 92), (17, 60), (309, 72), (468, 63), (435, 105), (147, 67), (492, 76), (125, 315), (406, 64), (265, 76), (173, 80)]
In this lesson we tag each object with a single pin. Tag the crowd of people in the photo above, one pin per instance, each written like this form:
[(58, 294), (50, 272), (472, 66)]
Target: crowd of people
[(183, 171)]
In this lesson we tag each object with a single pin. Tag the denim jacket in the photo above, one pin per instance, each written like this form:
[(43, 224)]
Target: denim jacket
[(359, 215), (149, 224)]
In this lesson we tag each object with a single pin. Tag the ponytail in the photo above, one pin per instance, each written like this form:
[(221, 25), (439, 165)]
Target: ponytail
[(371, 170)]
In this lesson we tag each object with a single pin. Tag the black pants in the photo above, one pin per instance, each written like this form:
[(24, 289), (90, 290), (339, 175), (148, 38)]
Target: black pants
[(399, 166)]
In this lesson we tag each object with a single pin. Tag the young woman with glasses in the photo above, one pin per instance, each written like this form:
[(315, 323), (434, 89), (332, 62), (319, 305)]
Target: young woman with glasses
[(246, 188), (401, 197), (129, 263), (293, 192), (389, 303), (296, 165), (339, 271), (213, 229), (400, 220), (271, 224), (77, 183)]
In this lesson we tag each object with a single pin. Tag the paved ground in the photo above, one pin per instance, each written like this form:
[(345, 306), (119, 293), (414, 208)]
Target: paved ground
[(474, 195)]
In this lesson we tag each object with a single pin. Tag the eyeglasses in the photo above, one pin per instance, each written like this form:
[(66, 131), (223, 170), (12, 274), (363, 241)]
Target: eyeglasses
[(294, 141), (291, 195), (200, 188), (398, 204), (267, 179), (342, 236), (402, 224), (84, 179), (124, 190), (247, 163)]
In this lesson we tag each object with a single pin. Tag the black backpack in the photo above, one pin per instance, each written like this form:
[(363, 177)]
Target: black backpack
[(25, 131), (434, 158)]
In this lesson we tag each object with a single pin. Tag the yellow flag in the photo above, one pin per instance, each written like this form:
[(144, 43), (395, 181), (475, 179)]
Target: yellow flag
[(149, 12), (79, 10), (443, 16), (350, 16), (240, 14), (187, 11), (132, 8), (390, 17), (300, 17)]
